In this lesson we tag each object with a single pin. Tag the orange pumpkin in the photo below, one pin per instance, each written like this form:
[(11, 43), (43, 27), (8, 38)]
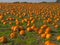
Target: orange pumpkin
[(15, 28), (40, 31), (13, 35), (48, 36), (22, 32), (33, 21), (43, 35), (4, 22), (43, 26), (25, 20), (1, 17), (31, 18), (35, 29), (10, 23), (49, 20), (17, 23), (28, 24), (32, 27), (56, 26), (29, 29), (47, 42), (48, 30), (3, 39), (58, 38), (21, 27)]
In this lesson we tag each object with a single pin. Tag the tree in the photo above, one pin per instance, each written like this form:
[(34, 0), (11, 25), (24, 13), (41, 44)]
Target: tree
[(16, 2), (58, 1)]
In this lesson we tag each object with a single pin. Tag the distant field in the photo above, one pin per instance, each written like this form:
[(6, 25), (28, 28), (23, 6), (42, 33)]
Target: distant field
[(30, 24)]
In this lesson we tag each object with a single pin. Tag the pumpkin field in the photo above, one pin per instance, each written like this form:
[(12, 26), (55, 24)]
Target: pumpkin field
[(29, 23)]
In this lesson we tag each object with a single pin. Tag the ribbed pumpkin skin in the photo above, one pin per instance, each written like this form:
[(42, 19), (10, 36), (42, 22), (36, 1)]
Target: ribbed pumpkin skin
[(3, 39), (22, 32), (13, 35)]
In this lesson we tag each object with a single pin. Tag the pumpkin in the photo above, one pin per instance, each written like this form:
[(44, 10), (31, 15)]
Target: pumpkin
[(40, 31), (17, 23), (29, 29), (33, 26), (58, 38), (3, 39), (20, 16), (12, 27), (1, 17), (35, 29), (53, 44), (25, 20), (13, 35), (28, 21), (10, 23), (44, 21), (48, 36), (43, 26), (43, 35), (22, 32), (48, 30), (21, 27), (4, 22), (49, 20), (31, 18), (47, 42), (16, 20), (32, 21), (28, 24), (15, 28), (56, 26)]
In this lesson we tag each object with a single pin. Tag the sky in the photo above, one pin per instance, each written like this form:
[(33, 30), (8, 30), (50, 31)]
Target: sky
[(27, 0)]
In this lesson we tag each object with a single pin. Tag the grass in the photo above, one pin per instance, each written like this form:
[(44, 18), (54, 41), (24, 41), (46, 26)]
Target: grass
[(30, 38), (5, 32)]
